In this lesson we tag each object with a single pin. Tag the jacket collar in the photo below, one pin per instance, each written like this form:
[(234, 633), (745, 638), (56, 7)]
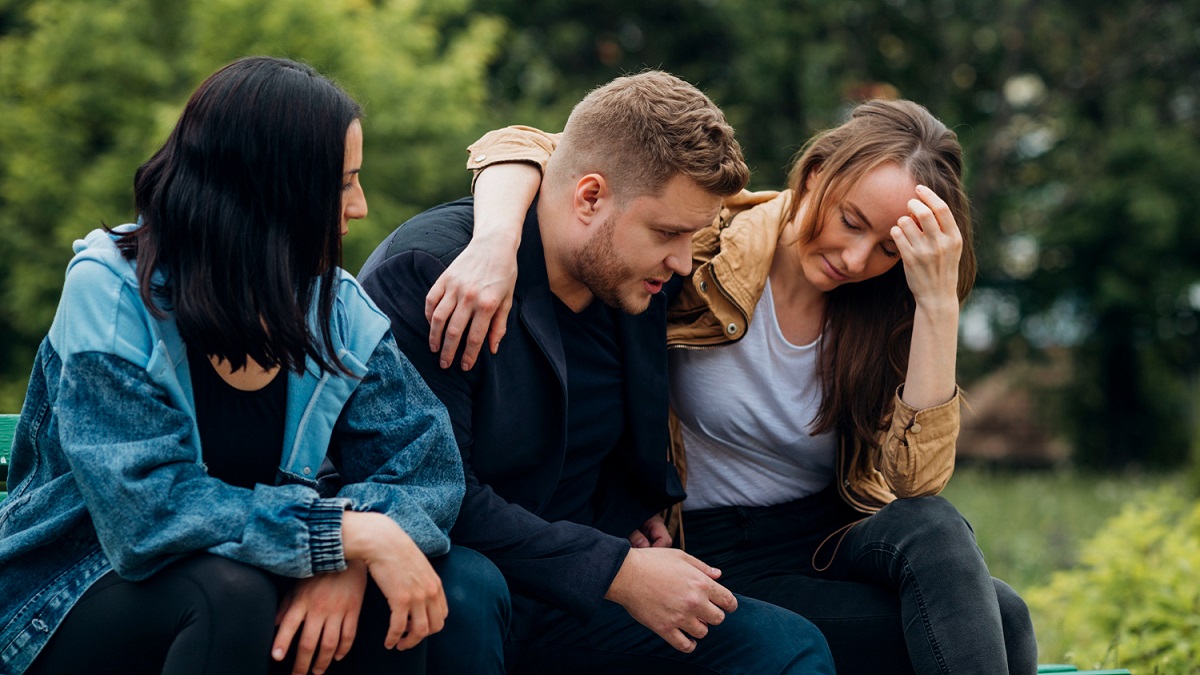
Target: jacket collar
[(642, 337), (746, 246)]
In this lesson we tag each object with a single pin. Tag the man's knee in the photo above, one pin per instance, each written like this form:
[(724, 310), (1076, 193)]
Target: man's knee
[(475, 588), (777, 640)]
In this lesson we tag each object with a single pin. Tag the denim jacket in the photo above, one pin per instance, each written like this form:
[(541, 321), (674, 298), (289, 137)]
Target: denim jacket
[(106, 471)]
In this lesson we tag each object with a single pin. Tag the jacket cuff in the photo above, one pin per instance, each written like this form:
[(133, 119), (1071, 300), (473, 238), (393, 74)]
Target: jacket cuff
[(325, 534), (511, 144), (918, 458), (617, 550), (932, 422)]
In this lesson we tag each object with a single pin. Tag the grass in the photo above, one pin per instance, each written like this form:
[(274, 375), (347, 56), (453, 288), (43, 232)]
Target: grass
[(1030, 524)]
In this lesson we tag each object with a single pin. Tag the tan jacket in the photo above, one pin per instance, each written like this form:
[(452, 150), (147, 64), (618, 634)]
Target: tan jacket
[(913, 455)]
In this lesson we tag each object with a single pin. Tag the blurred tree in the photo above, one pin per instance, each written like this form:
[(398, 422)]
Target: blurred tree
[(1081, 125), (89, 90), (1101, 236), (558, 50)]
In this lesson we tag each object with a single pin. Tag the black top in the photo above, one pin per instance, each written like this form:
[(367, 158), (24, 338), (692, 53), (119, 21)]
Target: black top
[(595, 410), (241, 432)]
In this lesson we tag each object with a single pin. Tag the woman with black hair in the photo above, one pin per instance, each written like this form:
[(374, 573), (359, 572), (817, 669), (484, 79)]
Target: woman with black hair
[(205, 363)]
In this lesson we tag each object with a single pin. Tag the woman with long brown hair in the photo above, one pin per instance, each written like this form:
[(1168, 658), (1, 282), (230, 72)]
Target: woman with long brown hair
[(812, 386)]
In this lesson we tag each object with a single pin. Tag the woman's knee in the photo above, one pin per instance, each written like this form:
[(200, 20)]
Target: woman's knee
[(1019, 638), (928, 521), (476, 628), (230, 589)]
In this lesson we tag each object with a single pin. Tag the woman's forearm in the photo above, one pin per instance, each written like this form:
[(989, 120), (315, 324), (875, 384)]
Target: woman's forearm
[(932, 357), (503, 194)]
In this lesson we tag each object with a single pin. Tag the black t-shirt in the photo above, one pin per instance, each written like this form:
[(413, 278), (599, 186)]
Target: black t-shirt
[(595, 406), (241, 432)]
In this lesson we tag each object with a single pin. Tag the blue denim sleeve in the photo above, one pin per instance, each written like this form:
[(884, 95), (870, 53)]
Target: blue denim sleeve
[(149, 496), (397, 451)]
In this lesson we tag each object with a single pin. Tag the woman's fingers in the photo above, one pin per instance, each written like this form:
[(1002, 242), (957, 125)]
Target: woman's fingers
[(940, 209)]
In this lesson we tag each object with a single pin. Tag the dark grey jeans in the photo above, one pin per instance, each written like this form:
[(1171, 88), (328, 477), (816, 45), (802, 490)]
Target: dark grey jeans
[(905, 590)]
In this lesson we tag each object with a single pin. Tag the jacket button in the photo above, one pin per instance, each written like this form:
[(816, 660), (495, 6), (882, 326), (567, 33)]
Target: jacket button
[(731, 328), (480, 158), (916, 427), (703, 286), (307, 470), (40, 625)]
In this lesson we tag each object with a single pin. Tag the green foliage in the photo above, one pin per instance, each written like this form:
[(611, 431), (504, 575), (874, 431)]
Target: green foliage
[(89, 90), (1080, 122), (1133, 601), (1030, 524)]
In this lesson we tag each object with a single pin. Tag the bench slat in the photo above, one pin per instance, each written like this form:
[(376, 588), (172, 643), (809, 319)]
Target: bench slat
[(8, 427)]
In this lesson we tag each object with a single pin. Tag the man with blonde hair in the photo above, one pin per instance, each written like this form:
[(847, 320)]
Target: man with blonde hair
[(564, 431)]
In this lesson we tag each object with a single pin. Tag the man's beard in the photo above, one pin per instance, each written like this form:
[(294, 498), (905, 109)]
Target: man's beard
[(601, 270)]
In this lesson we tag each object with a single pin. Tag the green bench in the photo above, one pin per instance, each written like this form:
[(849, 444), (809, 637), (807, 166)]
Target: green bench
[(8, 425), (1061, 668)]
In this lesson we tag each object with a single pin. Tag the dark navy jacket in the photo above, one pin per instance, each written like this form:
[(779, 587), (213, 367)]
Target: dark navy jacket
[(509, 415)]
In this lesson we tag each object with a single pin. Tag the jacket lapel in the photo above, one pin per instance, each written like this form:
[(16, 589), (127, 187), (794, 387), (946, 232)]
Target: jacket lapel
[(536, 301)]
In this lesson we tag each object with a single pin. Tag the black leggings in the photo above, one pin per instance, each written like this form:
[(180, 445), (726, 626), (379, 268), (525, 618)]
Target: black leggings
[(201, 615)]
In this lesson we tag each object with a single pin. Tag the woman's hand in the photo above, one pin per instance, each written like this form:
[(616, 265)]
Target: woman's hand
[(327, 605), (930, 245), (474, 294), (402, 572), (652, 534), (472, 297)]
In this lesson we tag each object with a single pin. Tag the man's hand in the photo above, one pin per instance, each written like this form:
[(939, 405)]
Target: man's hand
[(671, 593), (402, 572), (652, 534), (327, 605)]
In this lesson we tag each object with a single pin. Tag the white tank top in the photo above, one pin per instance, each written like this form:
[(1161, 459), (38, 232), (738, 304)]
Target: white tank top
[(746, 410)]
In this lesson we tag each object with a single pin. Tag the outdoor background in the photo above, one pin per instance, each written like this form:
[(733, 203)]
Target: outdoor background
[(1081, 124)]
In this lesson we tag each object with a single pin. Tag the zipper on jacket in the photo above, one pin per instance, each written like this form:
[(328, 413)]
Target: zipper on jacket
[(745, 320)]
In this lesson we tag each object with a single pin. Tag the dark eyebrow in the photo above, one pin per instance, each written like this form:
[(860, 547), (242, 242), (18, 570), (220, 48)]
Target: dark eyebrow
[(678, 227), (859, 214)]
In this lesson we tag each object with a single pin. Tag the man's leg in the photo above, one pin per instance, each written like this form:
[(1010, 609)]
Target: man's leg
[(756, 639), (472, 640)]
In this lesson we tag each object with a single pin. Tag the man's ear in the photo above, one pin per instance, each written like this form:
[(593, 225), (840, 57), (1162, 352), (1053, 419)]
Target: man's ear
[(592, 196)]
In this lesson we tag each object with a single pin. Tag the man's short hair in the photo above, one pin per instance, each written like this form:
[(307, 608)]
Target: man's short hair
[(639, 131)]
